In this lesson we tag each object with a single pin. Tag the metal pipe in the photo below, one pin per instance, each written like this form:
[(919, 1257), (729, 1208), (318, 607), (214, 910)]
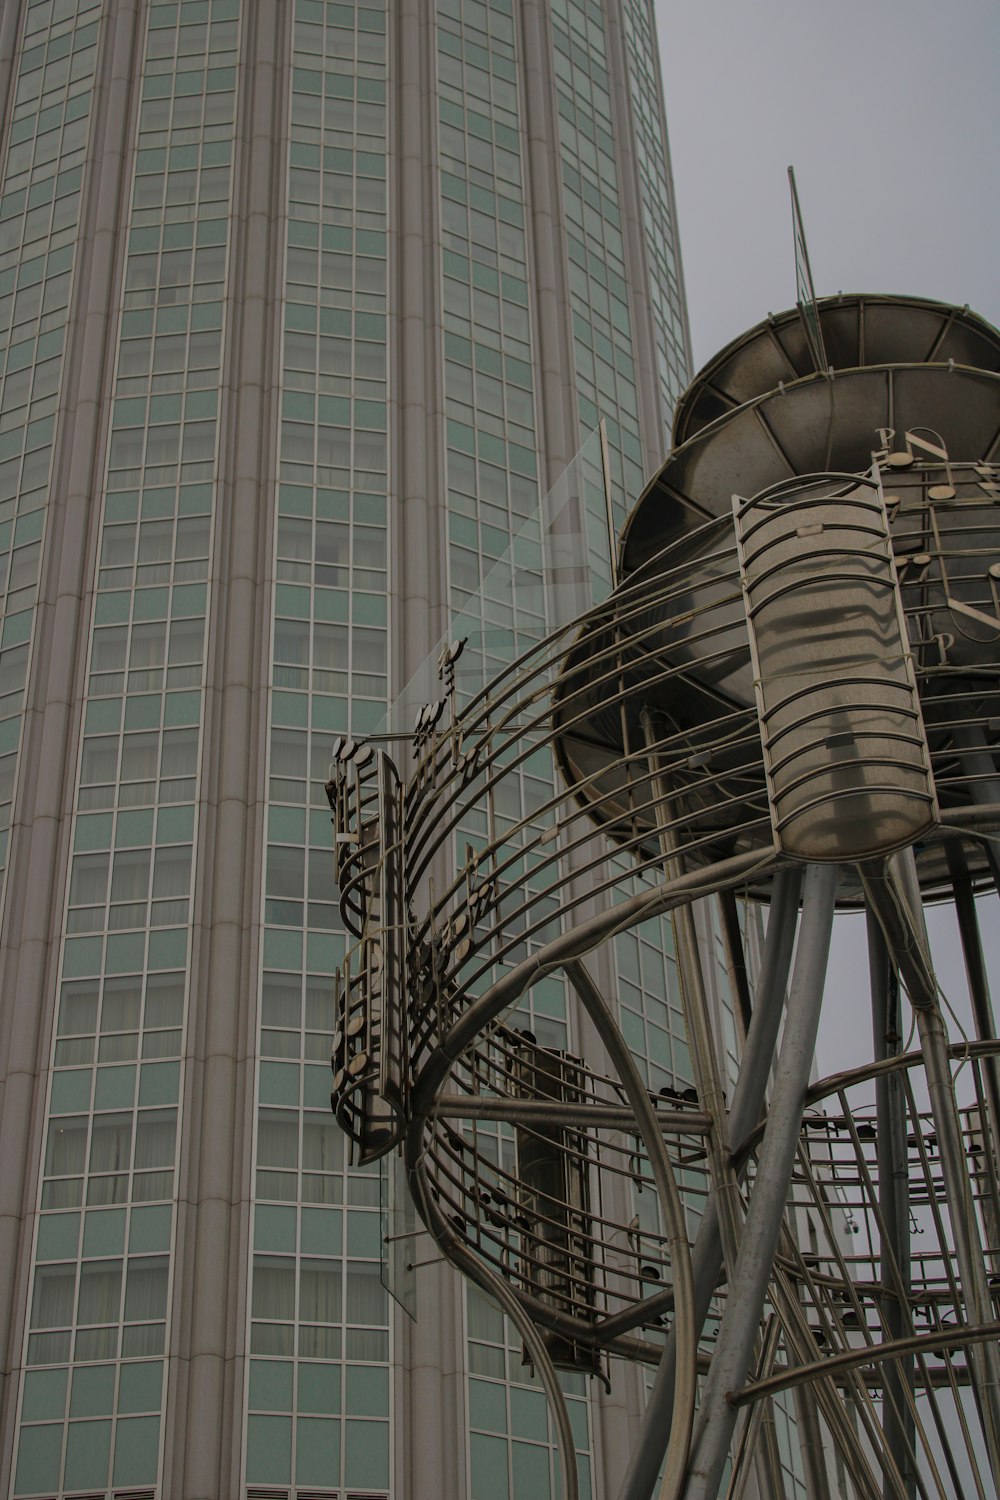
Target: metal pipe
[(811, 1444), (894, 1206), (749, 1283), (701, 1043), (736, 963), (870, 1354), (587, 1115), (760, 1428)]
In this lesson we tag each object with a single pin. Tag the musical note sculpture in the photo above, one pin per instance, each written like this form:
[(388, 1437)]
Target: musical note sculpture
[(790, 703)]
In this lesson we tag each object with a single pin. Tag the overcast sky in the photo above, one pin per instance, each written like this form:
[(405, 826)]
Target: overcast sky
[(890, 112)]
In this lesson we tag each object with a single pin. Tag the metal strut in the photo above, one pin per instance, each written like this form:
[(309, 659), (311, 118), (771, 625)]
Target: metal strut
[(749, 1282)]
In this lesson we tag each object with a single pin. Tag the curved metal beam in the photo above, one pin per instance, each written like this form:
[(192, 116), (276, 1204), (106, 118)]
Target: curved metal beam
[(674, 1412), (867, 1354), (580, 940), (494, 1286)]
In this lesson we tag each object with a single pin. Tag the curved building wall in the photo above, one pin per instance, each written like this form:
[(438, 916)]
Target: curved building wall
[(304, 307)]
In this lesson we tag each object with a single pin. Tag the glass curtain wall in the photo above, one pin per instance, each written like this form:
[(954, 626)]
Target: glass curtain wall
[(134, 907)]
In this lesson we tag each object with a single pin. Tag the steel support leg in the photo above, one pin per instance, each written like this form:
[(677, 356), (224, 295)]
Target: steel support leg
[(894, 1207), (749, 1282), (747, 1104)]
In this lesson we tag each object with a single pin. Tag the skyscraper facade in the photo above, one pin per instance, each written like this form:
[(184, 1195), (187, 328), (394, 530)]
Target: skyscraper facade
[(304, 304)]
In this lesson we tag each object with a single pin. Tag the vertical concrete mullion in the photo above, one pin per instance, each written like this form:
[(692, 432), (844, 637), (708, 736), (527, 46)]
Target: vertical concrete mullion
[(204, 1438), (429, 1402), (11, 19), (420, 479), (672, 200), (651, 416), (41, 818), (555, 393)]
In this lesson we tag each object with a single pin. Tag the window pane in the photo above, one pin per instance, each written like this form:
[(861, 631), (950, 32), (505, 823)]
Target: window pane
[(273, 1287), (319, 1291), (277, 1138), (154, 1139), (180, 752), (186, 637), (130, 880), (321, 1144), (288, 753), (52, 1304), (146, 1289), (172, 874), (100, 760), (66, 1148), (164, 999), (366, 1296), (111, 1143), (139, 753), (78, 1009), (89, 885), (120, 1011), (100, 1292)]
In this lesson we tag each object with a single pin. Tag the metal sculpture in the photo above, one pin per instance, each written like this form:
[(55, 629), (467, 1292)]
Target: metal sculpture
[(792, 695)]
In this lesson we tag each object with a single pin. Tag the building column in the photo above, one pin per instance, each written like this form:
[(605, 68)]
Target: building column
[(204, 1428), (555, 397), (429, 1404), (652, 418), (31, 926)]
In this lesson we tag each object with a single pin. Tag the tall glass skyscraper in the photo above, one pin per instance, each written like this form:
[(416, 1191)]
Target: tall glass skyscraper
[(303, 306)]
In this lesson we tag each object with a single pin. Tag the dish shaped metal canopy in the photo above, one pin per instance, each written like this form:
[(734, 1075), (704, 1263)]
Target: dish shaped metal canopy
[(759, 413), (672, 646)]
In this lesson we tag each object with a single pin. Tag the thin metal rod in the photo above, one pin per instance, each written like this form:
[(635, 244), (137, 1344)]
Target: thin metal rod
[(894, 1205), (735, 957), (749, 1283), (675, 1422), (811, 1444), (868, 1354), (961, 1211), (609, 509), (587, 1116), (979, 984), (758, 1444)]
